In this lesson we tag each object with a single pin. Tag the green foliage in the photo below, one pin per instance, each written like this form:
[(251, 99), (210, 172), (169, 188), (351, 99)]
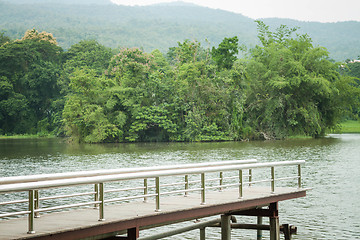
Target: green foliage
[(226, 54), (268, 37), (187, 52), (29, 69), (354, 68), (4, 39), (152, 123), (201, 95), (86, 110), (87, 53), (286, 86), (351, 76), (295, 88)]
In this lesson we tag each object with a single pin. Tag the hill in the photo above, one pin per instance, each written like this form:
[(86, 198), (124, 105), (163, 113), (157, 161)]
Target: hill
[(342, 39), (158, 26)]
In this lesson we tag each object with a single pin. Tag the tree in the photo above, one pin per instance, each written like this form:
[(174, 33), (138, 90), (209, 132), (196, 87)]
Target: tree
[(29, 70), (353, 69), (293, 86), (15, 114), (200, 98), (351, 72), (87, 53), (86, 111), (226, 53), (4, 39), (186, 52), (43, 36), (143, 93)]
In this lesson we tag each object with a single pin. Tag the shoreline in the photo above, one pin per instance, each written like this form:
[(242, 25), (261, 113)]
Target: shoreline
[(349, 126)]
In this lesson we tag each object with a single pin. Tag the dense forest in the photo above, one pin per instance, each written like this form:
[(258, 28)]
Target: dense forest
[(283, 86), (159, 26)]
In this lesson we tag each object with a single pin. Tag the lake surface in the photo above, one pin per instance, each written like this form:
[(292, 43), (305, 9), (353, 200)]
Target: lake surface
[(331, 209)]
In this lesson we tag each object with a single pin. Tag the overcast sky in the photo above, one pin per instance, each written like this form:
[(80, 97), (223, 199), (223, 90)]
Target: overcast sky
[(305, 10)]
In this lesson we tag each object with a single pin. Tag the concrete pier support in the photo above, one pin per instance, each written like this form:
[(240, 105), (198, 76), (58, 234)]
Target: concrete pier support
[(274, 222), (259, 231), (202, 234), (132, 234), (225, 227), (274, 228)]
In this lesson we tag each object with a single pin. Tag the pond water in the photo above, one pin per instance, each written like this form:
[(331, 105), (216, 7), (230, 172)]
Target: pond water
[(331, 210)]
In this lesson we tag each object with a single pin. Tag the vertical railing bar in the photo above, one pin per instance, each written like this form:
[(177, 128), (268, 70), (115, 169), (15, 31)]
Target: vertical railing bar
[(250, 177), (145, 189), (32, 212), (272, 179), (186, 185), (157, 186), (221, 181), (240, 184), (96, 196), (299, 176), (37, 203), (101, 199), (203, 200)]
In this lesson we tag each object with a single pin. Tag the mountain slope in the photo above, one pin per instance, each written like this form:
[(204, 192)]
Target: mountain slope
[(158, 26), (69, 2), (342, 39)]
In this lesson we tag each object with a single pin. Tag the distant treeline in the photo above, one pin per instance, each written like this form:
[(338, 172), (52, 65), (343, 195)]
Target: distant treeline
[(159, 26), (281, 87)]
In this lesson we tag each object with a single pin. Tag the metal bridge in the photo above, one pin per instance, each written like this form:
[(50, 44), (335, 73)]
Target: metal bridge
[(120, 203)]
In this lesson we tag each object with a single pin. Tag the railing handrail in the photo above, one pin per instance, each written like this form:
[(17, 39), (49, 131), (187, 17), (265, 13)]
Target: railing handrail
[(99, 181), (15, 187), (103, 172)]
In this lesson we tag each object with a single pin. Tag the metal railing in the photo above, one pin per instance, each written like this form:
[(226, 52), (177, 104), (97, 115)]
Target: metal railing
[(67, 175), (36, 183)]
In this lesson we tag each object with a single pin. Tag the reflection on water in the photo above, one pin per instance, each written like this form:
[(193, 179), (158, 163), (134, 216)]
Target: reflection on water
[(330, 210)]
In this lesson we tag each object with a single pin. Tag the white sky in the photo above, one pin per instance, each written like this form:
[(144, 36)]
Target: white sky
[(305, 10)]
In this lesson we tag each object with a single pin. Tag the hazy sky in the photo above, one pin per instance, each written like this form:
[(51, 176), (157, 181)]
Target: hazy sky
[(306, 10)]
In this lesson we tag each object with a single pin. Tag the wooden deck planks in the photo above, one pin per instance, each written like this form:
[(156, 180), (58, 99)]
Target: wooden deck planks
[(83, 223)]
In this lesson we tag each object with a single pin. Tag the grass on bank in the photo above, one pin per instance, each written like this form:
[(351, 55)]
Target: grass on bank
[(349, 126), (299, 137), (25, 136)]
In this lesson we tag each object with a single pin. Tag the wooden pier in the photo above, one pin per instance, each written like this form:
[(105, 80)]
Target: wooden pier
[(125, 220)]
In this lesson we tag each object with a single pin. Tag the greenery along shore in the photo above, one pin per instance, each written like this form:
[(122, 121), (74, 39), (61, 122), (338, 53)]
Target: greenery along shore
[(283, 87), (349, 126)]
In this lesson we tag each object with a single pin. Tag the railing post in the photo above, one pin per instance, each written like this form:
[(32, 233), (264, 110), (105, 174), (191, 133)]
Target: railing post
[(37, 203), (240, 183), (203, 201), (157, 185), (299, 176), (101, 198), (186, 185), (31, 214), (272, 179), (96, 197), (250, 177), (221, 180), (145, 189)]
